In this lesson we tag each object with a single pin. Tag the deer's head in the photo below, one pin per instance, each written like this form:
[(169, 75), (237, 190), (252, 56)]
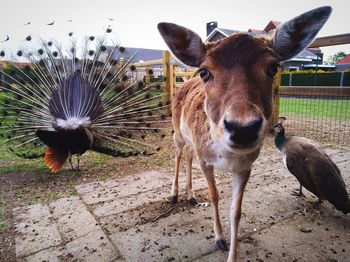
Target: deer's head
[(238, 73)]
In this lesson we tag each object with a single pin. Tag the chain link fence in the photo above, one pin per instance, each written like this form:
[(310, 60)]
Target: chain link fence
[(318, 113)]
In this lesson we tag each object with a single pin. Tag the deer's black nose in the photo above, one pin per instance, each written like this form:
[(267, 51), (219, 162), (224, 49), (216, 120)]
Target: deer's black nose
[(243, 134)]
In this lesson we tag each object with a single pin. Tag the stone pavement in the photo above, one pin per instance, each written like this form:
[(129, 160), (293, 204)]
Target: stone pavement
[(130, 219)]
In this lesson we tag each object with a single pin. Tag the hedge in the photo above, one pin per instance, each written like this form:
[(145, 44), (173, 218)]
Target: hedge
[(302, 78)]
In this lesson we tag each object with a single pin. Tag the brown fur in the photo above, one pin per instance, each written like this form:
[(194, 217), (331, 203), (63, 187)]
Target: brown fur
[(223, 116), (239, 91)]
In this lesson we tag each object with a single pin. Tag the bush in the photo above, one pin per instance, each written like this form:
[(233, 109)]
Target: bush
[(311, 78)]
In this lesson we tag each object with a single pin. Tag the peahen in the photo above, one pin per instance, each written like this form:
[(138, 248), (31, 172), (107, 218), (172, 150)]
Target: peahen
[(65, 101), (313, 168)]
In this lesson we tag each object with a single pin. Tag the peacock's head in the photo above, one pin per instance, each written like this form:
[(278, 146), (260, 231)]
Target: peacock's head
[(279, 126)]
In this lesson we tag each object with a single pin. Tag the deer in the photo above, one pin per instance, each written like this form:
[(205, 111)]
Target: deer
[(222, 114)]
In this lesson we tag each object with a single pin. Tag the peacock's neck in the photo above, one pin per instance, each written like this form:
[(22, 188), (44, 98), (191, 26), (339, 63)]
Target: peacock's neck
[(280, 140)]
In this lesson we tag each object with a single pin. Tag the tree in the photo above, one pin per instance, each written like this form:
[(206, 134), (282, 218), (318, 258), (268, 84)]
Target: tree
[(333, 59)]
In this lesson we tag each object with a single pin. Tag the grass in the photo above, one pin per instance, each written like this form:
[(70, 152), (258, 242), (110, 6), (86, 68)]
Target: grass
[(21, 165), (12, 163), (315, 107)]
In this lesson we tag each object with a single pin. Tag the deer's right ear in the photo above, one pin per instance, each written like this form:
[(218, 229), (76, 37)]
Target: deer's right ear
[(185, 44)]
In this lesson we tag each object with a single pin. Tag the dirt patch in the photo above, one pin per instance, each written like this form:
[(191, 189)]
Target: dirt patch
[(41, 186), (23, 188)]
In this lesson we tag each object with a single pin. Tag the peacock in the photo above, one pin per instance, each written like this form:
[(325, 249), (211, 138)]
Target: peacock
[(59, 100), (313, 168)]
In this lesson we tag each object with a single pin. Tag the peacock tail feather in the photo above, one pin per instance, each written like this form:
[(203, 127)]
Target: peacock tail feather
[(77, 98)]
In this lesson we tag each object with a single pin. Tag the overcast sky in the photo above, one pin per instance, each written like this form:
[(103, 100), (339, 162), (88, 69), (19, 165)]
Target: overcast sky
[(135, 21)]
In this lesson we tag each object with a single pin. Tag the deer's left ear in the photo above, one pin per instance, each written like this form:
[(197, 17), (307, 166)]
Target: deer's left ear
[(295, 35)]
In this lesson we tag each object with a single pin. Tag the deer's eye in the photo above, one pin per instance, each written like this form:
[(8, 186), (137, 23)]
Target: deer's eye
[(205, 74), (272, 70)]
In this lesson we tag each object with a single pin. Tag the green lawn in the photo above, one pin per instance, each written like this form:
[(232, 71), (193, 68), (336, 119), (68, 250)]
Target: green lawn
[(315, 107)]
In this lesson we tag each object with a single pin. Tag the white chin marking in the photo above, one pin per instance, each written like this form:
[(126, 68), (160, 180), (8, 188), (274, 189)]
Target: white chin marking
[(243, 150), (73, 123)]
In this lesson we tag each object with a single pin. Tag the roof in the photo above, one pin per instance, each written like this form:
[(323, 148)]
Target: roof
[(228, 32), (4, 63), (256, 31), (271, 25), (138, 54), (305, 55), (345, 60), (223, 31), (318, 66)]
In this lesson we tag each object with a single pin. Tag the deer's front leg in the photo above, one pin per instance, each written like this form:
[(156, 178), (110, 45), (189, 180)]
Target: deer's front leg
[(190, 194), (238, 185), (179, 144), (214, 197)]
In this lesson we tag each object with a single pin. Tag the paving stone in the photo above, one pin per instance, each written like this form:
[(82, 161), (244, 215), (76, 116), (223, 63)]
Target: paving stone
[(104, 191), (160, 241), (66, 205), (160, 192), (35, 230), (188, 235), (55, 254), (93, 247), (122, 204), (134, 213), (304, 245), (32, 213), (73, 218)]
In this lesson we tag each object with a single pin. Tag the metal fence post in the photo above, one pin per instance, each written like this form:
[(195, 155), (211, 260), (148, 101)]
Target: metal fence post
[(341, 78), (276, 99), (290, 79)]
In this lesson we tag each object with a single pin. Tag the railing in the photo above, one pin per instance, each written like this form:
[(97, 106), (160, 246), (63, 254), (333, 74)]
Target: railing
[(171, 71), (320, 125), (319, 42), (319, 113)]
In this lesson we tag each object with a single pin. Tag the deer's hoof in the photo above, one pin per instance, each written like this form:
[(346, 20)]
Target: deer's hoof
[(174, 199), (222, 244), (192, 201)]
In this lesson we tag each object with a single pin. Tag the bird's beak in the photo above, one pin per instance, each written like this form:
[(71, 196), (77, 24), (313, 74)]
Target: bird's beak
[(276, 128)]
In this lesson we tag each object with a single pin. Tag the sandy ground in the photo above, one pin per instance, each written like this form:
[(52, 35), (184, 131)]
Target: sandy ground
[(131, 219)]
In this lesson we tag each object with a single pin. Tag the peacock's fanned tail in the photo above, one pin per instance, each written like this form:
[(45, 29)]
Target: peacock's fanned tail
[(83, 86)]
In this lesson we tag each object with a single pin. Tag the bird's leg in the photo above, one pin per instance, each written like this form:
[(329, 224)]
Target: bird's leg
[(299, 192), (70, 160), (78, 159), (318, 203)]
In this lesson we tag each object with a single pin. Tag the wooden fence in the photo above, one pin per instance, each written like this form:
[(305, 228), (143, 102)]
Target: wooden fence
[(319, 113), (318, 126), (171, 71), (319, 42)]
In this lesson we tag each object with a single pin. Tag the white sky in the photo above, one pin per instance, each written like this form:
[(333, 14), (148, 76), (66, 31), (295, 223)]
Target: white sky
[(135, 21)]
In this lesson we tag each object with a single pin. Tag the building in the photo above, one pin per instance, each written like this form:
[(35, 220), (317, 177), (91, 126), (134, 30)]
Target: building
[(137, 54), (344, 63), (312, 56)]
